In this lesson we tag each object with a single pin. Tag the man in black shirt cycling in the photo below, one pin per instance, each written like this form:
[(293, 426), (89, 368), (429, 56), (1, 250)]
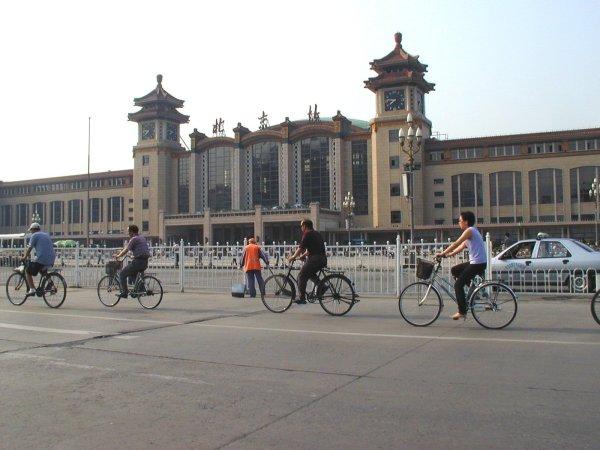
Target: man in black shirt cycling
[(312, 247)]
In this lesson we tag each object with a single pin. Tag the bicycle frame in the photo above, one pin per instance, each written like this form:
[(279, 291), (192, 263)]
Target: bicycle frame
[(443, 284)]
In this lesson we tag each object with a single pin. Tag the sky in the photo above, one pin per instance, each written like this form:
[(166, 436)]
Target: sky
[(500, 67)]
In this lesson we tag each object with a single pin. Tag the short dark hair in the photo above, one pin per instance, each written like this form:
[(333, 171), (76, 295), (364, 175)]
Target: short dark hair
[(469, 217), (133, 228), (307, 223)]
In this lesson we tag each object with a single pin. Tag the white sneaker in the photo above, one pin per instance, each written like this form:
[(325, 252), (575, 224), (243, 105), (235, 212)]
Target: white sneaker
[(31, 292)]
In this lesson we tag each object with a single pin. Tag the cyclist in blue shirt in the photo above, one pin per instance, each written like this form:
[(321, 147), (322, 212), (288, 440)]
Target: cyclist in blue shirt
[(44, 254)]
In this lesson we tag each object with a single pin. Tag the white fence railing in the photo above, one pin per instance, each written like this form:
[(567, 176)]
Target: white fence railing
[(379, 269)]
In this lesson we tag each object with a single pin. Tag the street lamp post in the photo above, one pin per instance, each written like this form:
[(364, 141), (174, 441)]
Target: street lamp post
[(595, 194), (35, 217), (348, 204), (411, 144)]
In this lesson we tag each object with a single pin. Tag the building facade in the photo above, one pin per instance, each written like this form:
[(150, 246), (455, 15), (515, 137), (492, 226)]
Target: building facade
[(263, 182)]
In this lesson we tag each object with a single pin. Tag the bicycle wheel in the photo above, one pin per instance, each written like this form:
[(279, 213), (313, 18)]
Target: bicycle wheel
[(108, 290), (149, 292), (16, 289), (54, 290), (336, 294), (493, 305), (420, 304), (279, 293), (596, 307)]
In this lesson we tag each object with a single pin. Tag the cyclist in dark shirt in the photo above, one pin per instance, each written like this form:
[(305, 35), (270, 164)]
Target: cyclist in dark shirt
[(139, 247), (312, 247)]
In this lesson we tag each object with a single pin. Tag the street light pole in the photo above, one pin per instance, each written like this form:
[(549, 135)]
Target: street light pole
[(410, 144), (348, 204), (595, 193)]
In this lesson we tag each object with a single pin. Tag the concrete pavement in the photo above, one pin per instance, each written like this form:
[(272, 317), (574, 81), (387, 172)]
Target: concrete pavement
[(211, 371)]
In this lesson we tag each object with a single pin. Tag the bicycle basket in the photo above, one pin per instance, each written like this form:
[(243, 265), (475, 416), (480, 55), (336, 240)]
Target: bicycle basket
[(112, 267), (424, 268)]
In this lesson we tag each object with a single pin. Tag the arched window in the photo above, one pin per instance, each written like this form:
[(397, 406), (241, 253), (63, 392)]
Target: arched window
[(314, 169), (219, 178), (467, 190), (265, 173), (545, 186)]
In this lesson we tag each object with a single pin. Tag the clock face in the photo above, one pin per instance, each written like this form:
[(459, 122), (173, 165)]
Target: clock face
[(395, 100), (171, 132), (148, 130)]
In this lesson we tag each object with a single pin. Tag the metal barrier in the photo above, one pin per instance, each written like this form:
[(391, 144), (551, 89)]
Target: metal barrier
[(378, 269)]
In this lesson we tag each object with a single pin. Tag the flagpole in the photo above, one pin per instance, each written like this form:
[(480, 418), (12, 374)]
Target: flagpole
[(87, 216)]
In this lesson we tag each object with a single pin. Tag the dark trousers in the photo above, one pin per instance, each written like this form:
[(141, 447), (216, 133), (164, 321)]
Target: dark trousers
[(464, 273), (309, 271), (131, 270), (250, 276)]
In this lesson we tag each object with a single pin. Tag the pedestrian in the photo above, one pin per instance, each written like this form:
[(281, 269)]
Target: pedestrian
[(507, 242), (250, 263)]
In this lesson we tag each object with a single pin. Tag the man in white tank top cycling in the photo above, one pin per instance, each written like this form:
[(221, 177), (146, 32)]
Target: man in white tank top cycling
[(471, 240)]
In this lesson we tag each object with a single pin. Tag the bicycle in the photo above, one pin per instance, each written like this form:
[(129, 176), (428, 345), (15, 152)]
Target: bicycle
[(334, 291), (492, 303), (146, 289), (596, 307), (52, 287)]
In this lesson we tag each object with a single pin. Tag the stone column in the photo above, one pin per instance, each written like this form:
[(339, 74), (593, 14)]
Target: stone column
[(284, 174), (259, 229), (235, 177), (206, 228)]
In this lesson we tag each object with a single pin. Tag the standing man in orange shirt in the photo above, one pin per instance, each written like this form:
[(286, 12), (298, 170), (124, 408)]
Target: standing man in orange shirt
[(250, 262)]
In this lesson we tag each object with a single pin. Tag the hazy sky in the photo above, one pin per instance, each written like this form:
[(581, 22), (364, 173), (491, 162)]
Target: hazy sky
[(499, 67)]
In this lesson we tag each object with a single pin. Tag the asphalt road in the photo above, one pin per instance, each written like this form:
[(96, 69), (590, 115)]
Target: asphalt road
[(211, 371)]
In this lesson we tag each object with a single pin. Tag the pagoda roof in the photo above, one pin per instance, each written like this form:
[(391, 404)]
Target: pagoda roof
[(158, 95), (158, 104), (398, 67)]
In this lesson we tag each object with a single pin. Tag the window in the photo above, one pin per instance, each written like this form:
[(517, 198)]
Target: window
[(552, 249), (39, 209), (467, 190), (130, 210), (438, 194), (524, 250), (145, 226), (6, 218), (396, 216), (95, 210), (438, 221), (436, 156), (438, 181), (183, 184), (145, 160), (394, 135), (314, 154), (505, 188), (581, 182), (467, 153), (438, 205), (75, 211), (585, 145), (145, 203), (115, 209), (545, 186), (22, 212), (395, 189), (543, 147), (219, 178), (360, 177), (265, 173), (394, 162), (56, 212), (145, 181), (503, 150)]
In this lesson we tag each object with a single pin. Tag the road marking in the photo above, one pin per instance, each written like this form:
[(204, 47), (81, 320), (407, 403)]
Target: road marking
[(46, 330), (60, 362), (402, 336), (79, 316)]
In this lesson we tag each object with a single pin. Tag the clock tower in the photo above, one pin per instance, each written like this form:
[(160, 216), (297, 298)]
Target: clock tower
[(400, 89), (156, 157)]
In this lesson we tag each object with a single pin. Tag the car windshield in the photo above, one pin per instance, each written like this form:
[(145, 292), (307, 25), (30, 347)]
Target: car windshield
[(582, 245)]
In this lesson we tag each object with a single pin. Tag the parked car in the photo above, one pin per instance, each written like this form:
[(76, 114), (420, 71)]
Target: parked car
[(558, 261)]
